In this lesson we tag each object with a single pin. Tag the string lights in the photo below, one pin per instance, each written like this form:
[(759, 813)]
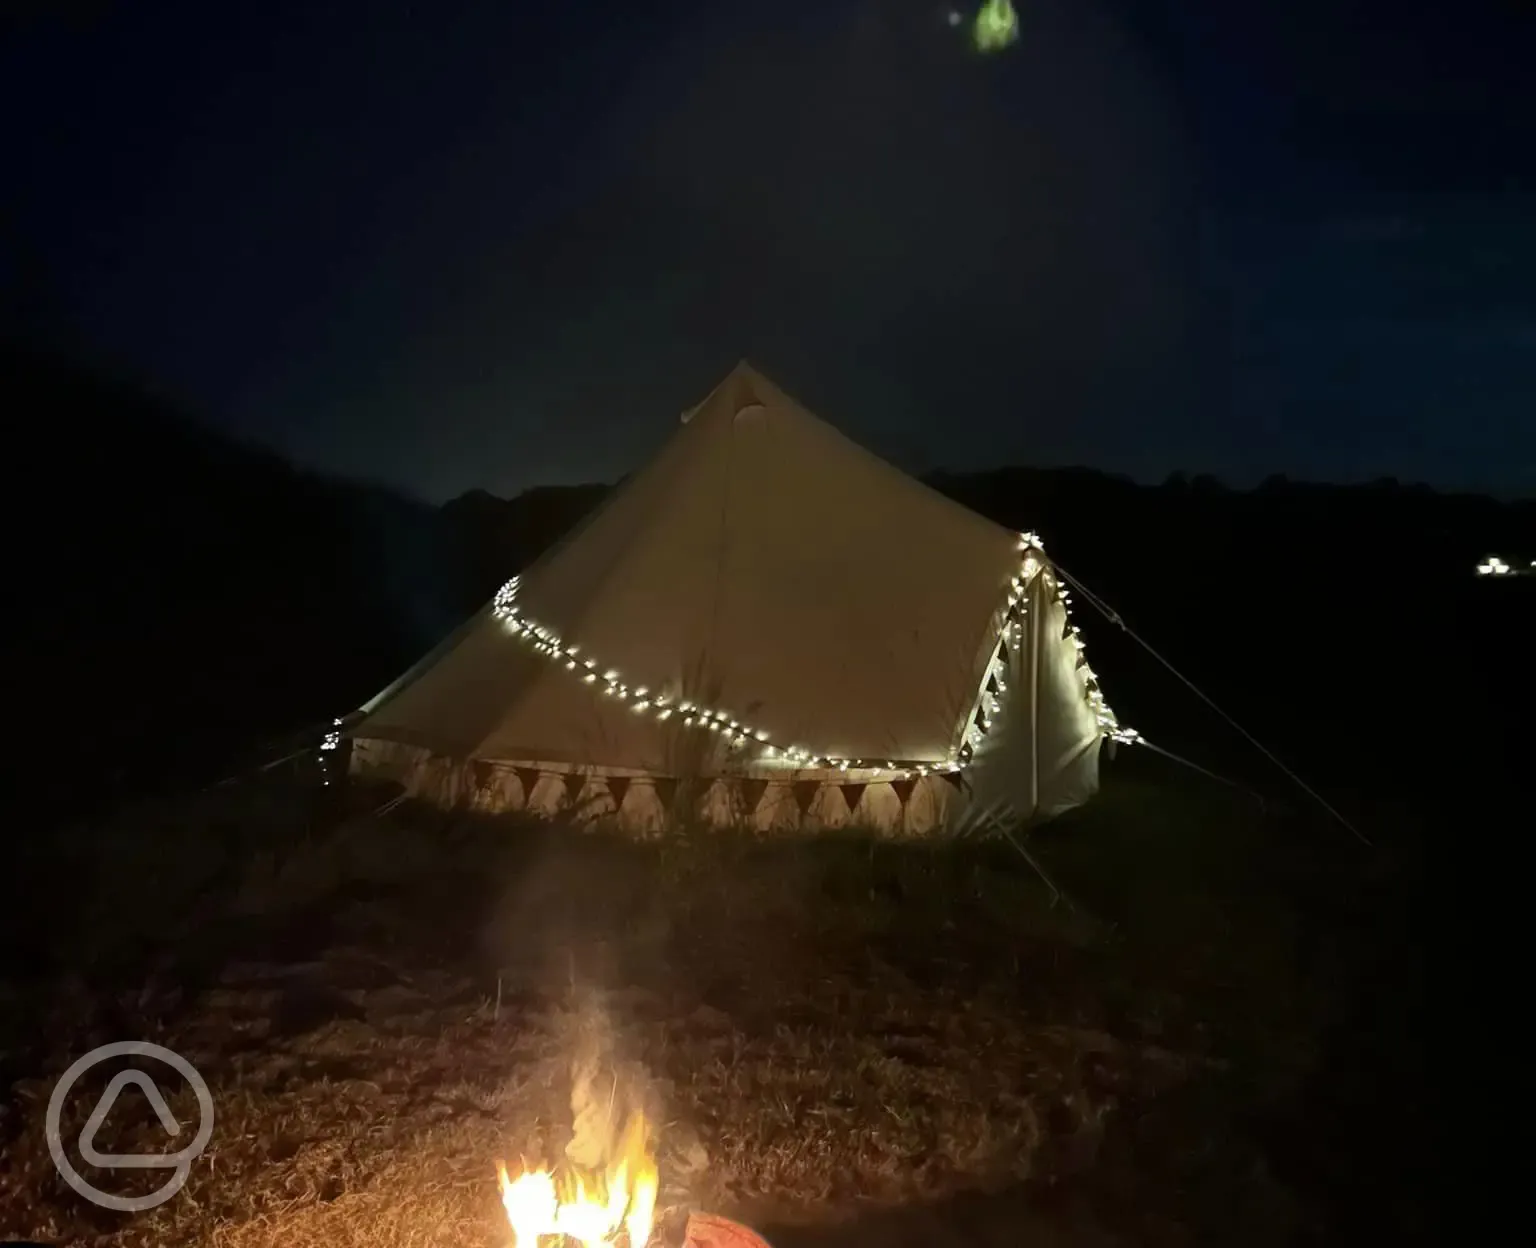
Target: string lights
[(1109, 725), (739, 735), (328, 744)]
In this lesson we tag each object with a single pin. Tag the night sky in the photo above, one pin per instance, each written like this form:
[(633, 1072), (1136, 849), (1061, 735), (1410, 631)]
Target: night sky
[(504, 244)]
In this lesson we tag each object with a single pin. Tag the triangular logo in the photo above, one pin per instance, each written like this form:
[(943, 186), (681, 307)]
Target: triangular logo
[(618, 786), (852, 793), (666, 790), (955, 778), (529, 778), (903, 789), (574, 782), (805, 793), (118, 1161)]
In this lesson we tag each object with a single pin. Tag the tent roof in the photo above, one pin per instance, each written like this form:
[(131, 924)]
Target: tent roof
[(763, 564)]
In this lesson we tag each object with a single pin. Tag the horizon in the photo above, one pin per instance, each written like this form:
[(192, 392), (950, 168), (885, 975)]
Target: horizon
[(122, 377)]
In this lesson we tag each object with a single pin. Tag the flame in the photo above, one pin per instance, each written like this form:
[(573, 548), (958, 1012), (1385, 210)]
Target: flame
[(591, 1208)]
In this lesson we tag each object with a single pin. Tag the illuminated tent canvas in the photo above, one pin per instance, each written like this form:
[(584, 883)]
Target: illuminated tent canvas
[(766, 625)]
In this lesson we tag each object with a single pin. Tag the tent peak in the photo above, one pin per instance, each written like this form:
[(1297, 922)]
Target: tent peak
[(743, 386)]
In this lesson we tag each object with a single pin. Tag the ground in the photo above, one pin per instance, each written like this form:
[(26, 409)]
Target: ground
[(923, 1042)]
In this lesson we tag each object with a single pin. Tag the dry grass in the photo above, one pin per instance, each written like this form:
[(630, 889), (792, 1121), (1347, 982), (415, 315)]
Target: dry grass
[(383, 1129), (819, 1025)]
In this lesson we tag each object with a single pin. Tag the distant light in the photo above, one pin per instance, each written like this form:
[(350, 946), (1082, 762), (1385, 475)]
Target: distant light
[(954, 17)]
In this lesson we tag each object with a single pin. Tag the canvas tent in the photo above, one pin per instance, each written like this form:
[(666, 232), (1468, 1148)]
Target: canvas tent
[(769, 625)]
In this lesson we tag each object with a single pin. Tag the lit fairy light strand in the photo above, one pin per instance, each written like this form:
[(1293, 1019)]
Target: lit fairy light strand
[(1035, 564), (328, 745), (737, 734), (1109, 724), (610, 683)]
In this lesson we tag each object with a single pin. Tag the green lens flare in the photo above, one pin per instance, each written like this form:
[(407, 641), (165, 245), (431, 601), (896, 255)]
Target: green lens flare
[(997, 25)]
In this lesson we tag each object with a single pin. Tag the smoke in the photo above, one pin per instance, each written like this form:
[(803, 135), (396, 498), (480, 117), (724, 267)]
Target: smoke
[(607, 1092), (594, 1088)]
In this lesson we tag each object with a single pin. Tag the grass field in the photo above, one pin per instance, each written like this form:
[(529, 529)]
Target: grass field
[(845, 1040)]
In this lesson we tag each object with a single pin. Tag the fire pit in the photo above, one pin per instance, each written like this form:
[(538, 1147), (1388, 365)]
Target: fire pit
[(602, 1207), (590, 1206), (603, 1191)]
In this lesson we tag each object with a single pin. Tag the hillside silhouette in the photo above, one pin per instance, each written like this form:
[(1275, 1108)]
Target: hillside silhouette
[(183, 597)]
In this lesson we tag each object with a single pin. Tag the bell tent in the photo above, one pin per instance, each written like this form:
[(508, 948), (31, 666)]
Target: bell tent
[(766, 625)]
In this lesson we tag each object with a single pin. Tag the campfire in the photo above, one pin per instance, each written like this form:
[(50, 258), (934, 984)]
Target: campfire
[(593, 1206), (604, 1189)]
